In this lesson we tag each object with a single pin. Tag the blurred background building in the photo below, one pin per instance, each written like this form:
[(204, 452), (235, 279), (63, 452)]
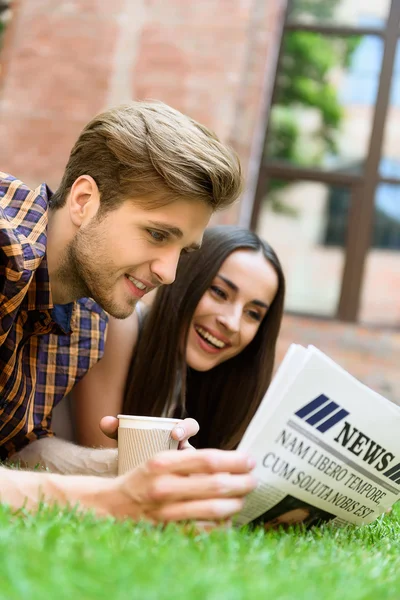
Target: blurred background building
[(308, 94)]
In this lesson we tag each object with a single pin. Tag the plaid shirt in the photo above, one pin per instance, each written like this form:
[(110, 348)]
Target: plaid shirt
[(44, 348)]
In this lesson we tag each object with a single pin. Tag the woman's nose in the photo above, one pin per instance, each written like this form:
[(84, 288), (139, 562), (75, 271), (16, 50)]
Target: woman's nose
[(231, 320)]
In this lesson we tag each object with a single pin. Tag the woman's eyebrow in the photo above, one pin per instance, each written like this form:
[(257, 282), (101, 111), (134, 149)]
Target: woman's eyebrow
[(229, 283), (259, 303), (235, 288)]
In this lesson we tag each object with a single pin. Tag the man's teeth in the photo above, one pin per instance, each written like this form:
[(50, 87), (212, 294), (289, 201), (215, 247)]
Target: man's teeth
[(138, 284), (210, 338)]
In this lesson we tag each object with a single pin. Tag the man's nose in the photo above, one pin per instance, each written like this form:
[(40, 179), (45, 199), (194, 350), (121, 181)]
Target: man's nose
[(164, 267)]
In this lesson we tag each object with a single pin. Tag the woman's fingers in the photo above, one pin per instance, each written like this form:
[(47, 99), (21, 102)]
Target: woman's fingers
[(186, 429), (109, 426)]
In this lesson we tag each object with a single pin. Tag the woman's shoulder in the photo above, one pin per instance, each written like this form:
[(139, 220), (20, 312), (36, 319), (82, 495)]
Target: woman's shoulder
[(141, 312), (123, 332)]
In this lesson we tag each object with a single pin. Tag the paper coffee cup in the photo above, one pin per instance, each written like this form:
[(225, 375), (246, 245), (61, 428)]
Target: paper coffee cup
[(140, 438)]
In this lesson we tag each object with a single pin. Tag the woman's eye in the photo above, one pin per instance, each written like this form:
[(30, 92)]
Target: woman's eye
[(254, 315), (218, 292), (157, 236)]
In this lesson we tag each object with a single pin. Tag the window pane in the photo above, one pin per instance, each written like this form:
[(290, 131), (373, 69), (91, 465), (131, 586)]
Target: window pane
[(305, 223), (386, 224), (380, 299), (325, 100), (390, 161), (355, 13)]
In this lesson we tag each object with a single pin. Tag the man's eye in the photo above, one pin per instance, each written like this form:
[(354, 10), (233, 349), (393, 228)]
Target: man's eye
[(157, 236)]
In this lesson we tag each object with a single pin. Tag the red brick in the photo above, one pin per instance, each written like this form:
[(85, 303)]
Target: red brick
[(86, 8), (64, 63), (370, 355), (59, 66), (45, 156)]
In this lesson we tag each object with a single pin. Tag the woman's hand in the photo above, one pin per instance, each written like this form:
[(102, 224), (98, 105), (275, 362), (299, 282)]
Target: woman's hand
[(184, 430)]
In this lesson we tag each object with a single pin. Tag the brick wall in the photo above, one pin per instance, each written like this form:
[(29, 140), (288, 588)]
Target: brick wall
[(65, 60)]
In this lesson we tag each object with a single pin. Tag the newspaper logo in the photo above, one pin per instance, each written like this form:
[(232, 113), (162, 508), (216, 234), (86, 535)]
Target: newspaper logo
[(322, 413), (394, 473)]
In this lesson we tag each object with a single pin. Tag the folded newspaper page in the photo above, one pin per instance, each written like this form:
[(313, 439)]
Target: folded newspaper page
[(327, 447)]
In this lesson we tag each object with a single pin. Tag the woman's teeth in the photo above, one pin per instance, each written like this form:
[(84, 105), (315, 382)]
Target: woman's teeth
[(210, 338), (138, 284)]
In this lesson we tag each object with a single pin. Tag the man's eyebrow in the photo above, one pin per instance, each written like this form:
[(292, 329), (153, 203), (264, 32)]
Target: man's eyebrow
[(175, 231), (235, 288), (195, 246)]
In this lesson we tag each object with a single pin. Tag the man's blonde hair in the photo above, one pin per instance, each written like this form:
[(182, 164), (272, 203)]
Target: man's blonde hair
[(146, 149)]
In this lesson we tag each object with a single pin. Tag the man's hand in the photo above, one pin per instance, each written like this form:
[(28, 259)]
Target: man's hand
[(182, 432), (207, 485)]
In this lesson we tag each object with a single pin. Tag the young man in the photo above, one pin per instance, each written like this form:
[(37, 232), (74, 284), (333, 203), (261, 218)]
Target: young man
[(139, 188)]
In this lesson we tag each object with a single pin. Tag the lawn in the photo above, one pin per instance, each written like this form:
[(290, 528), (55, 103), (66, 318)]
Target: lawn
[(61, 555)]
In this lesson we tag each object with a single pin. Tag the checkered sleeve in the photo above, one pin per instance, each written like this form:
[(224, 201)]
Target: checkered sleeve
[(17, 261), (40, 431)]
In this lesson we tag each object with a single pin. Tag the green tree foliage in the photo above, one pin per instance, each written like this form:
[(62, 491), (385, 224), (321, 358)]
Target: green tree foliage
[(321, 10), (304, 82)]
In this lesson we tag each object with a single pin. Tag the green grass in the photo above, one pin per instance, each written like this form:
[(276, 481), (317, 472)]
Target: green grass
[(60, 555)]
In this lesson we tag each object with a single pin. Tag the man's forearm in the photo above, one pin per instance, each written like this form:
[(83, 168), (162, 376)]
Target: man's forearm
[(25, 489), (63, 457)]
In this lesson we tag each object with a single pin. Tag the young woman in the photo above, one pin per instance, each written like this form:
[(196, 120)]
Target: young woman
[(205, 349)]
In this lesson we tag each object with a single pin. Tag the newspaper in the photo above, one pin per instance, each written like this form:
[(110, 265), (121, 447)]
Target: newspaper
[(327, 447)]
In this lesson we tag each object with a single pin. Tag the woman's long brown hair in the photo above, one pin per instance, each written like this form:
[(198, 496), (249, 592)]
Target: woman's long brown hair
[(224, 399)]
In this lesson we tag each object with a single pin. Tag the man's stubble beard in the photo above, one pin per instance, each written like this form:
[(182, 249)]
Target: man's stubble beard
[(89, 277)]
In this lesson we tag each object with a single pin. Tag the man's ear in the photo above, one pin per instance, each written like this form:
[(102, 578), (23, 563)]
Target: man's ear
[(83, 200)]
